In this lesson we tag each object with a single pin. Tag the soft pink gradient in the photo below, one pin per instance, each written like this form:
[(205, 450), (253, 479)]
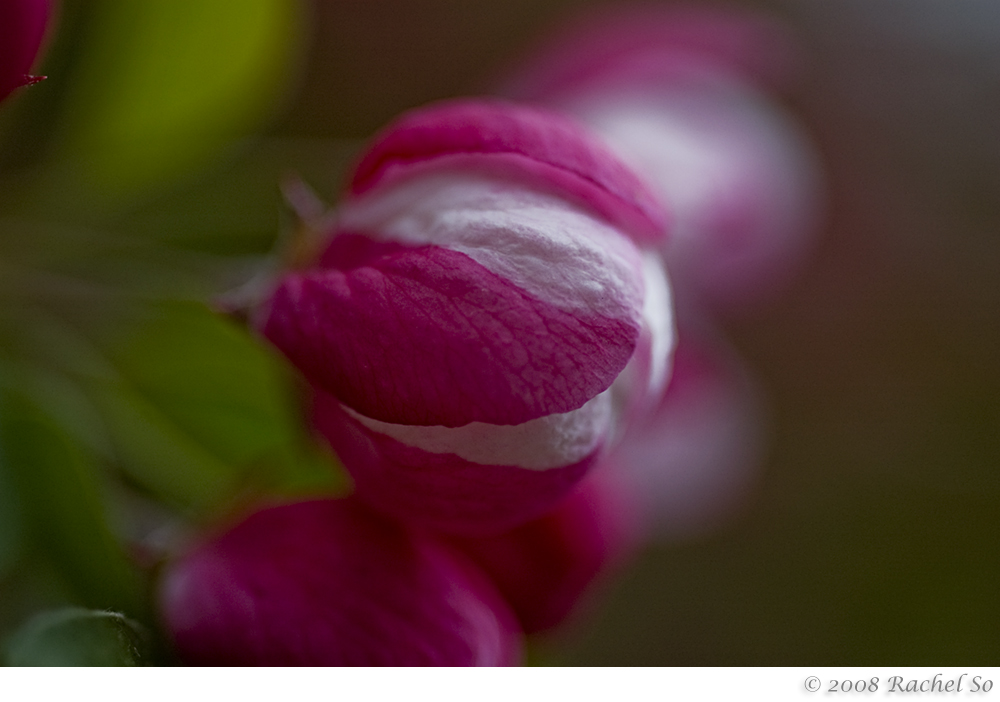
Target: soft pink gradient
[(693, 463), (678, 95), (22, 28), (646, 44), (549, 568), (329, 583)]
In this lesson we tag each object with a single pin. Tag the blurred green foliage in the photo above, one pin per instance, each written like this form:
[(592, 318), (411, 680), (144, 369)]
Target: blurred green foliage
[(159, 87), (137, 184), (61, 505), (75, 636)]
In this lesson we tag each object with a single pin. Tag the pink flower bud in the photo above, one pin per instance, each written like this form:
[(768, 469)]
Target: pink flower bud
[(694, 461), (673, 92), (547, 567), (329, 583), (480, 294), (22, 27)]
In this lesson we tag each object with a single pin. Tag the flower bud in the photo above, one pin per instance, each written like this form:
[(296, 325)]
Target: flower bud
[(546, 568), (22, 28), (675, 93), (481, 292), (329, 583), (692, 463)]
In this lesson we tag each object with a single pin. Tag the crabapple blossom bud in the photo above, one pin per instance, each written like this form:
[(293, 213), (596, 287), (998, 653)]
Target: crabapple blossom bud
[(328, 582), (546, 568), (22, 27), (675, 93), (480, 315), (693, 462)]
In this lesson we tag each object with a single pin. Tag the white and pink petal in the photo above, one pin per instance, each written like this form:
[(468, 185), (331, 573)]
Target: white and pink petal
[(426, 335), (693, 463), (479, 290), (474, 480), (540, 148), (676, 93)]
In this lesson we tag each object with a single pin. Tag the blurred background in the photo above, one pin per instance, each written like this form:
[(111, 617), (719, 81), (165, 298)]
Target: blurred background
[(141, 179)]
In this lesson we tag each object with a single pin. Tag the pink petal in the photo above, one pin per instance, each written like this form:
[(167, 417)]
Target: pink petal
[(557, 253), (741, 178), (328, 583), (674, 93), (427, 336), (443, 491), (547, 567), (22, 28), (648, 43), (692, 464), (539, 147)]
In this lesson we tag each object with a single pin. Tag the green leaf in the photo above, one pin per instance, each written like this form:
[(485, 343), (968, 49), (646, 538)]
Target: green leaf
[(158, 455), (79, 637), (57, 481), (61, 400), (224, 390), (190, 406), (163, 86), (211, 378)]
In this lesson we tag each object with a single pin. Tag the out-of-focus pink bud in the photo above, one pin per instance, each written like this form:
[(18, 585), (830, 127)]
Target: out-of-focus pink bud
[(480, 315), (650, 43), (22, 27), (674, 93), (545, 568), (694, 461), (328, 582)]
